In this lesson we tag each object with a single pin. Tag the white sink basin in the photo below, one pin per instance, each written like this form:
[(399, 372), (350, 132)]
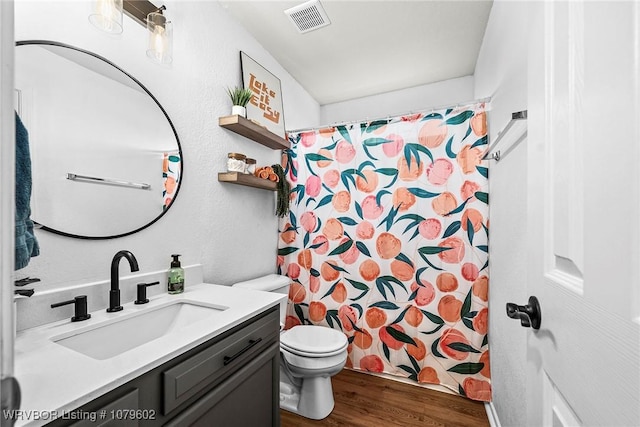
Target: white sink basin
[(106, 340)]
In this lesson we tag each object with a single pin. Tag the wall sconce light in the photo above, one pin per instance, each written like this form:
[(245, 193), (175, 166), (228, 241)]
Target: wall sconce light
[(160, 48), (107, 16)]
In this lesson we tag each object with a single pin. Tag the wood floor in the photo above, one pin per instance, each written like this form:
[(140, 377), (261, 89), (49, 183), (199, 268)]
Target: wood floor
[(366, 400)]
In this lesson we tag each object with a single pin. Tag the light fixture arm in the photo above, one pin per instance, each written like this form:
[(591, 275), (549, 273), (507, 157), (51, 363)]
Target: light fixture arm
[(138, 10), (107, 16)]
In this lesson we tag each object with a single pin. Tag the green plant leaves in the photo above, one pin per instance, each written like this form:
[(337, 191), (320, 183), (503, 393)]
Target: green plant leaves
[(388, 220), (386, 305), (470, 231), (373, 126), (332, 316), (482, 141), (466, 306), (400, 336), (463, 347), (449, 150), (460, 118), (363, 249), (386, 282), (347, 221), (345, 133), (467, 368), (287, 250), (424, 194), (342, 248), (413, 151), (431, 250), (452, 229), (483, 171), (434, 349), (483, 197), (317, 157), (372, 142), (325, 200), (388, 172), (338, 268), (331, 289)]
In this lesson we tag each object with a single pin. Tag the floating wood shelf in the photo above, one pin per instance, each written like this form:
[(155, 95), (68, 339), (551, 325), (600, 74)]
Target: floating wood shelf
[(246, 179), (257, 133)]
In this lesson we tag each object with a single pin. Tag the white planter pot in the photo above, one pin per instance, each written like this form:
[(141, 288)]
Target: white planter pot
[(239, 110)]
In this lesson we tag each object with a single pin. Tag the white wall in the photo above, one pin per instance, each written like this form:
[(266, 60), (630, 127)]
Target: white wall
[(231, 230), (403, 101), (501, 72)]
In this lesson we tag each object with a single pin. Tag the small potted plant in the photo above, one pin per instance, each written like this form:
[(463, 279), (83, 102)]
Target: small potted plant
[(240, 97)]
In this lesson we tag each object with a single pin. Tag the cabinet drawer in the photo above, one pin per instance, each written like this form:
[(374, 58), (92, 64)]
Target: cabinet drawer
[(118, 412), (249, 397), (218, 361)]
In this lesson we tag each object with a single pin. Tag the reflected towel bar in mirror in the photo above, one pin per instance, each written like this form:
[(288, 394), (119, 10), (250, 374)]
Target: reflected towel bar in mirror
[(108, 181)]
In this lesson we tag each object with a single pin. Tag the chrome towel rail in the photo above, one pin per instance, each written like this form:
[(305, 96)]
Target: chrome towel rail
[(108, 181), (516, 119)]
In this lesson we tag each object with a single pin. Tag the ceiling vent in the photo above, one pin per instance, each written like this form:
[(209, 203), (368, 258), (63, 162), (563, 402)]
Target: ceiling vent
[(308, 16)]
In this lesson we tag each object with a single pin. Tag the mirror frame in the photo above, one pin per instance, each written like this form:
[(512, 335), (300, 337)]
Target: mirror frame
[(95, 55)]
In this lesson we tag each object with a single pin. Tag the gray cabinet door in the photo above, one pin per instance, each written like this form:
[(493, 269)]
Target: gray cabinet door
[(236, 402)]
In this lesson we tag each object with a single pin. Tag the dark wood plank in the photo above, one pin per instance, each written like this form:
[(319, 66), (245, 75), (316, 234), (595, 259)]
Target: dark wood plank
[(246, 179), (364, 400), (253, 131)]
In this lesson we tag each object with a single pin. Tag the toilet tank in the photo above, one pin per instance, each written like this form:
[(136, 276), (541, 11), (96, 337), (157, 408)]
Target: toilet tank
[(270, 283)]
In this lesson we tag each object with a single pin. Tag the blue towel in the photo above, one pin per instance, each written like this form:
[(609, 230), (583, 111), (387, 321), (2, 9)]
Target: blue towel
[(26, 243)]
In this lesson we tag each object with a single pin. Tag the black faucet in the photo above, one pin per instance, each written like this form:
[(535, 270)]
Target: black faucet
[(114, 293), (80, 311)]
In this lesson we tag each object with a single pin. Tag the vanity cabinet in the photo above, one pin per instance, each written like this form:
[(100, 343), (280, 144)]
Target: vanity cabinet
[(231, 380)]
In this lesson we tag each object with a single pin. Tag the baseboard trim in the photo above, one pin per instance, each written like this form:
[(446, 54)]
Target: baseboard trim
[(494, 421)]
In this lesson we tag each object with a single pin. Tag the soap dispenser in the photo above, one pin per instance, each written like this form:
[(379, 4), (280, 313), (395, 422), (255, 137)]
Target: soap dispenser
[(176, 277)]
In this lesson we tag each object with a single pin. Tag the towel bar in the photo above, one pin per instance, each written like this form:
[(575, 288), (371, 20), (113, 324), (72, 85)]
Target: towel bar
[(515, 118), (76, 177)]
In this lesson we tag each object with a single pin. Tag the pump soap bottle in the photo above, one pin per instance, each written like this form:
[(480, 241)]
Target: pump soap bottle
[(176, 277)]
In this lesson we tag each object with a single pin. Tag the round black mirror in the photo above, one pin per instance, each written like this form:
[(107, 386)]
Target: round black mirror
[(106, 158)]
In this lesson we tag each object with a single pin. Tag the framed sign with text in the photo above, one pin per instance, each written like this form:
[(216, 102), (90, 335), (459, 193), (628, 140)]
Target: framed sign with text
[(265, 106)]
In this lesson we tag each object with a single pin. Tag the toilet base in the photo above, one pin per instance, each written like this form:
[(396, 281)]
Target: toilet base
[(314, 399)]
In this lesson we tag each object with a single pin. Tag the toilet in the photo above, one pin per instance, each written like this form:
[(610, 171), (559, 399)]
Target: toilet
[(309, 356)]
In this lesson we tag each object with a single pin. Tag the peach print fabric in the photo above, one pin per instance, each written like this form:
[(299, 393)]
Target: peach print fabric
[(387, 241), (170, 176)]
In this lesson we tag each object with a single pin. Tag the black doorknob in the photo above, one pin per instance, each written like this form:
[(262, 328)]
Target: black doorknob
[(530, 315)]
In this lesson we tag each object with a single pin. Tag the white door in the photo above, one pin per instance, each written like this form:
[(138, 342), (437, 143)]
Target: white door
[(583, 364), (8, 398)]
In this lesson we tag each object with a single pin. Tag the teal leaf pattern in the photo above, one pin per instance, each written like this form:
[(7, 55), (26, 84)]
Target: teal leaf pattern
[(387, 241)]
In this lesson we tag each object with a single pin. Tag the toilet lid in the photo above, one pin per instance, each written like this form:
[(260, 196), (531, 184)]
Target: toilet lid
[(313, 340), (285, 349)]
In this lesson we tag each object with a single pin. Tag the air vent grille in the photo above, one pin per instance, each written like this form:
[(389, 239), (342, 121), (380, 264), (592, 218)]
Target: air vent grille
[(308, 16)]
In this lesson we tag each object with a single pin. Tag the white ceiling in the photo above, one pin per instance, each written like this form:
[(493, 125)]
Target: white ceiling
[(370, 47)]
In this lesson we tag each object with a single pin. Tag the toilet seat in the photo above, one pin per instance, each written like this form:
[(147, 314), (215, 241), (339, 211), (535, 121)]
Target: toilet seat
[(313, 341), (312, 355)]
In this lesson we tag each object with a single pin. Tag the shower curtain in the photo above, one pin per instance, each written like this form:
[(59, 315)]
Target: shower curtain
[(387, 241)]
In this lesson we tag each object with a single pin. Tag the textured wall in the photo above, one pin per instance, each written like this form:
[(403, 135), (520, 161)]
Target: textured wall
[(230, 230), (501, 72), (440, 94)]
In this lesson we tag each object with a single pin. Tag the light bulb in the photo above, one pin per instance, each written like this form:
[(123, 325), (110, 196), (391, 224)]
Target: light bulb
[(107, 15), (160, 47)]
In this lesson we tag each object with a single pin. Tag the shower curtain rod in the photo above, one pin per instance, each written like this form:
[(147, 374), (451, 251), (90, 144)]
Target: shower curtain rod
[(422, 110)]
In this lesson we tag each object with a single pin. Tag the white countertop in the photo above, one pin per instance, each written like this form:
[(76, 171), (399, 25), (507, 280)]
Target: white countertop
[(55, 379)]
